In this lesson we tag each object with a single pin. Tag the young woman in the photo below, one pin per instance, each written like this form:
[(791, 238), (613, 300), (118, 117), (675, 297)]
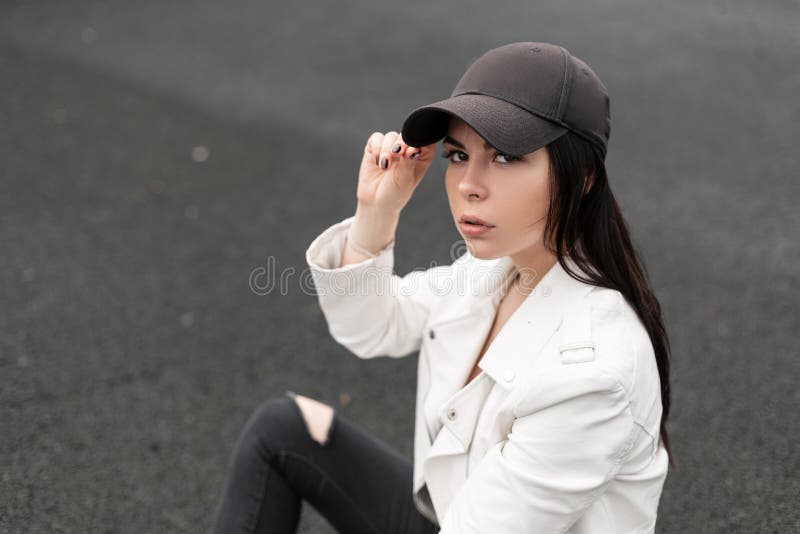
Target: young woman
[(543, 375)]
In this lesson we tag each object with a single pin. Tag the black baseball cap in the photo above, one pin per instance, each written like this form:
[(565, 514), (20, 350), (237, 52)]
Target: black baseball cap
[(519, 97)]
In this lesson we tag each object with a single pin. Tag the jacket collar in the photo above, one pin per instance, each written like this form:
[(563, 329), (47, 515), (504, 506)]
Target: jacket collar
[(531, 325)]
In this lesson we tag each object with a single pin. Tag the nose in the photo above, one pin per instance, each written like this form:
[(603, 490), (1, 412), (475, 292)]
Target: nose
[(471, 183)]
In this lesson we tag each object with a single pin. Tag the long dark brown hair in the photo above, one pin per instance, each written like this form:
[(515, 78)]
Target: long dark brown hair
[(589, 226)]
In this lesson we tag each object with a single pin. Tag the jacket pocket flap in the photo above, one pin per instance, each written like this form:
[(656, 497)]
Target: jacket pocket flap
[(582, 351)]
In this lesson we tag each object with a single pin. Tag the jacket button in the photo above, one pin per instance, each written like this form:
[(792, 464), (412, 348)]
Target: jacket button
[(431, 334), (451, 413), (508, 376)]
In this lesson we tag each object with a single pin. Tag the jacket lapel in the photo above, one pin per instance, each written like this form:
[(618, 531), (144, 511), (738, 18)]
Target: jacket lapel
[(462, 329), (510, 355), (532, 325)]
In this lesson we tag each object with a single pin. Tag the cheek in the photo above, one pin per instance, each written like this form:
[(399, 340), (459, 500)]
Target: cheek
[(451, 186), (525, 205)]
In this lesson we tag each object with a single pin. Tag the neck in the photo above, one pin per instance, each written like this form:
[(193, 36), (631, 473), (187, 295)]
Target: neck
[(531, 265)]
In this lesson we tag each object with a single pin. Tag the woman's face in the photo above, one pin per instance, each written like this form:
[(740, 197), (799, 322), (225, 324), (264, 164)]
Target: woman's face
[(512, 194)]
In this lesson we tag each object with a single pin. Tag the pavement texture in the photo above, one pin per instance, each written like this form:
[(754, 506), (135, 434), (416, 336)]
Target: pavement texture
[(155, 155)]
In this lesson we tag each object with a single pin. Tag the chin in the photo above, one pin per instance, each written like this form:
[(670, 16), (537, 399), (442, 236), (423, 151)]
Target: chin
[(481, 250)]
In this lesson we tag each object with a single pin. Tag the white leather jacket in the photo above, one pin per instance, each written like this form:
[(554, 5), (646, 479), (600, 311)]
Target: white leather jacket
[(560, 430)]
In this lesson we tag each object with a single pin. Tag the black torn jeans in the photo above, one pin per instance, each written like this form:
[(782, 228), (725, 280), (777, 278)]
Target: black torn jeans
[(356, 481)]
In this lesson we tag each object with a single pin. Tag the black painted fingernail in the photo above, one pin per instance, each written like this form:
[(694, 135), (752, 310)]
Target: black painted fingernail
[(414, 155), (396, 149), (384, 163)]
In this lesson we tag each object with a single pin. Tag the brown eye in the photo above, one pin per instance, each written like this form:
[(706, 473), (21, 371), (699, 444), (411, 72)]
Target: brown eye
[(509, 158), (447, 153)]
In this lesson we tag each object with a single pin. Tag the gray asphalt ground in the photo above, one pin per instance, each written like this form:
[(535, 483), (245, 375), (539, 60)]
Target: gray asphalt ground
[(155, 154)]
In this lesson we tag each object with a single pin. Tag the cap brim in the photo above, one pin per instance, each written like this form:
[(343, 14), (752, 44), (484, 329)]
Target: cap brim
[(510, 129)]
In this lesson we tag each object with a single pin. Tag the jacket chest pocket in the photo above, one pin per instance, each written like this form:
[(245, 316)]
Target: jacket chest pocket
[(424, 378), (435, 370), (439, 340), (428, 350)]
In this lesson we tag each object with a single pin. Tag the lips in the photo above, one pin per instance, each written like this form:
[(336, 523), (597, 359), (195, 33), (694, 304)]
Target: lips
[(471, 219), (474, 230)]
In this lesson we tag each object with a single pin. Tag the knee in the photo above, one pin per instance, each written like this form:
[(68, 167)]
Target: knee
[(275, 421), (318, 417), (261, 432)]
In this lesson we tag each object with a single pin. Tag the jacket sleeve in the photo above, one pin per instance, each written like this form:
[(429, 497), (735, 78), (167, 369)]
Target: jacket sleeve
[(565, 445), (369, 309)]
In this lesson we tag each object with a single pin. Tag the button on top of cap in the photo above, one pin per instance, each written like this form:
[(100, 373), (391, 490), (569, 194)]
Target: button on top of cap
[(508, 376)]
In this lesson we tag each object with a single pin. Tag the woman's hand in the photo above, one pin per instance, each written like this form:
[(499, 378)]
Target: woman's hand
[(390, 171)]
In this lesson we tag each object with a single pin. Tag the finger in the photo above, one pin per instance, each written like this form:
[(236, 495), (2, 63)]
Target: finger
[(415, 153), (373, 146), (406, 155), (404, 151), (399, 148), (386, 156)]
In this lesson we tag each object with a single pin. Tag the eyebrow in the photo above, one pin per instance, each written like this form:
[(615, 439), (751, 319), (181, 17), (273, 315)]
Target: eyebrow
[(459, 144)]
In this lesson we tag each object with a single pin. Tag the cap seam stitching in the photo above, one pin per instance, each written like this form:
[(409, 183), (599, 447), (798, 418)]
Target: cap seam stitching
[(537, 112), (564, 85)]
